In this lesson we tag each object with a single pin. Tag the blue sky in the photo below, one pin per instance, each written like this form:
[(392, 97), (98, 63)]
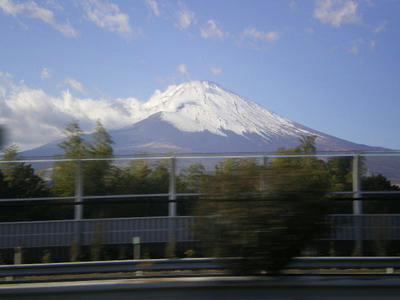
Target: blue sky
[(332, 65)]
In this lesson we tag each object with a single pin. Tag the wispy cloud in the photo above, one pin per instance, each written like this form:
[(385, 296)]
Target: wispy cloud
[(185, 18), (257, 35), (355, 46), (354, 49), (108, 16), (45, 74), (32, 10), (182, 69), (372, 44), (75, 84), (153, 5), (292, 5), (336, 12), (381, 27), (215, 70), (211, 30)]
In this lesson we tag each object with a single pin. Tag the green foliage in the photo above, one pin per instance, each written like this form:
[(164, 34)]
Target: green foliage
[(64, 173), (2, 136), (189, 179), (378, 183), (139, 177), (266, 230), (340, 170), (18, 180), (93, 172), (380, 203)]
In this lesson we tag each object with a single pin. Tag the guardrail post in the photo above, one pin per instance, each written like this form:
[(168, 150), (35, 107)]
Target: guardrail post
[(357, 204), (17, 256), (78, 192), (172, 208), (78, 209)]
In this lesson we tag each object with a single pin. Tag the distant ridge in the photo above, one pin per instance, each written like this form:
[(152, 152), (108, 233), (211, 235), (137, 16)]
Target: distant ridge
[(200, 116)]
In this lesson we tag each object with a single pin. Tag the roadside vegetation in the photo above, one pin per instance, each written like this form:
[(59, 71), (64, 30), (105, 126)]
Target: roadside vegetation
[(268, 212)]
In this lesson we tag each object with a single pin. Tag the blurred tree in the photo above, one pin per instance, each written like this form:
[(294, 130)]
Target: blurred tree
[(380, 203), (20, 181), (96, 171), (64, 173), (139, 177), (2, 136), (93, 171), (189, 179), (4, 190), (266, 230)]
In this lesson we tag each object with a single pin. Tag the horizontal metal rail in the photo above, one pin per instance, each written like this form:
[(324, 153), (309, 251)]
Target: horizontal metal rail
[(190, 264), (160, 195), (256, 155), (111, 266)]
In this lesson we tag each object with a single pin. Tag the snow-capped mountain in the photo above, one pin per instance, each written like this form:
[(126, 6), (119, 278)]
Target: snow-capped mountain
[(204, 106), (201, 116)]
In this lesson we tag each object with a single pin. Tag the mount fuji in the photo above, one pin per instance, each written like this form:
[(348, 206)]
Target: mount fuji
[(200, 116)]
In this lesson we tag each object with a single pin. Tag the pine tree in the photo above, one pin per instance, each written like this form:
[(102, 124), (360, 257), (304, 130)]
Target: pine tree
[(96, 171), (75, 147), (20, 181)]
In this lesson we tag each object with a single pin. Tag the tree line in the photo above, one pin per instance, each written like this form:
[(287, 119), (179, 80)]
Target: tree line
[(234, 178)]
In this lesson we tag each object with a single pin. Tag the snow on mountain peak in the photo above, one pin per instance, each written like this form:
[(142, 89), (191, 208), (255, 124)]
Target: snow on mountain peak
[(203, 105)]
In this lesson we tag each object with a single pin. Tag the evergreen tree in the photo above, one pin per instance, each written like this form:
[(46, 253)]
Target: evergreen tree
[(4, 190), (20, 181), (96, 171), (189, 179), (93, 172), (64, 173)]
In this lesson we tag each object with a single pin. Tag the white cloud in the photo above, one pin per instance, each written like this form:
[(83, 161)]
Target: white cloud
[(215, 70), (211, 30), (33, 117), (381, 27), (182, 69), (267, 36), (108, 16), (45, 74), (4, 75), (75, 84), (32, 10), (336, 12), (292, 5), (153, 5), (185, 18), (372, 44)]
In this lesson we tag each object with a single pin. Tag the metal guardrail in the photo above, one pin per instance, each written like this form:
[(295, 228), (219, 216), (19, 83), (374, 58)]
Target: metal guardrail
[(114, 231), (190, 264), (62, 233), (111, 266)]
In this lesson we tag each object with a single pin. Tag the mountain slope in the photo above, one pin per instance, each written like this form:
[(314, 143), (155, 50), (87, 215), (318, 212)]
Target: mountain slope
[(200, 116), (204, 118)]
